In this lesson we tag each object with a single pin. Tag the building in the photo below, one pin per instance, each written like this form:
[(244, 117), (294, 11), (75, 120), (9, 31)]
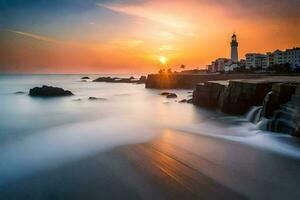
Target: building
[(256, 61), (218, 65), (242, 63), (291, 56), (234, 49)]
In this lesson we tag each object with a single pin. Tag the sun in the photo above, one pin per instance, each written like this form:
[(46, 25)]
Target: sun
[(163, 59)]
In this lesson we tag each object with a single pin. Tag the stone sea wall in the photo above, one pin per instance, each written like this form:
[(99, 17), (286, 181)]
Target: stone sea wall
[(189, 81), (235, 98), (273, 106)]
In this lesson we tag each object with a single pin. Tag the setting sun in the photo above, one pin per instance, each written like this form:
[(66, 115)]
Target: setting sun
[(163, 59)]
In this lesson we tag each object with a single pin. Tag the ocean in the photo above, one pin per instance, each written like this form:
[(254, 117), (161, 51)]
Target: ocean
[(41, 138)]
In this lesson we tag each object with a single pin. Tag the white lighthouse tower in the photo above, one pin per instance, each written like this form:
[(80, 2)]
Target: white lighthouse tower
[(234, 49)]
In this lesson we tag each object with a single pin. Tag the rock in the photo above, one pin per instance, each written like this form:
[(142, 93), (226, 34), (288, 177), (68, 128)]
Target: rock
[(240, 96), (142, 80), (49, 91), (85, 77), (236, 97), (165, 93), (208, 94), (104, 79), (182, 101), (189, 81), (281, 93), (189, 101), (119, 80), (20, 92), (96, 98), (171, 95)]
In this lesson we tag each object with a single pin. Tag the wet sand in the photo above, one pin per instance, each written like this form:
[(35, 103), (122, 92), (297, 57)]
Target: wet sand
[(175, 165)]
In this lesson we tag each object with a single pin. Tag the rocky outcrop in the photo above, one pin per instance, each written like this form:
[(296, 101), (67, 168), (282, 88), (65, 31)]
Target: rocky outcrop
[(208, 94), (239, 96), (171, 95), (131, 79), (49, 91), (235, 98), (85, 77), (282, 110), (280, 94), (189, 81), (272, 106)]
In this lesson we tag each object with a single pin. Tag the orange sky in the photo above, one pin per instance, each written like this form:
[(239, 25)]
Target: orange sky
[(131, 37)]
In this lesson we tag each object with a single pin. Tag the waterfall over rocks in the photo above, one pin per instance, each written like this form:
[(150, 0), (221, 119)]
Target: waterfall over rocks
[(280, 111), (254, 114)]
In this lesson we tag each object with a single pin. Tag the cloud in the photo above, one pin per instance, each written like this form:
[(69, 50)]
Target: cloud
[(149, 11), (35, 36)]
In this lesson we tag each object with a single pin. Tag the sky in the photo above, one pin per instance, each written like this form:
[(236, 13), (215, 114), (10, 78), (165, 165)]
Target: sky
[(131, 36)]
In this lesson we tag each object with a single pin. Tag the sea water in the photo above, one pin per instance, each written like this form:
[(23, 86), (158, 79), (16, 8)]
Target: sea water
[(38, 134)]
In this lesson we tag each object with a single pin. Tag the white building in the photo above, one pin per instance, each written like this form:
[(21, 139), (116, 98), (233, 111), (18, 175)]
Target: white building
[(256, 61), (291, 56), (219, 64)]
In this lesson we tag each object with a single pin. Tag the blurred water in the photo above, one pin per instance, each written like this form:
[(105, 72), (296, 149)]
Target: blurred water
[(36, 133), (41, 133)]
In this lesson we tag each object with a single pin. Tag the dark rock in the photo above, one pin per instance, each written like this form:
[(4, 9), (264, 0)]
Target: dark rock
[(142, 80), (49, 91), (236, 98), (189, 101), (281, 93), (96, 98), (120, 80), (208, 94), (85, 77), (165, 93), (240, 96), (20, 92), (171, 95), (189, 81), (182, 101)]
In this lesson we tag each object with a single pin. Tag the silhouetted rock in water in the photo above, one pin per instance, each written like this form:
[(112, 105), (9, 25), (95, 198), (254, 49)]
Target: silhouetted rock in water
[(49, 91), (190, 92), (189, 101), (120, 80), (172, 95), (182, 101), (96, 98), (85, 77), (142, 80), (20, 92), (165, 93)]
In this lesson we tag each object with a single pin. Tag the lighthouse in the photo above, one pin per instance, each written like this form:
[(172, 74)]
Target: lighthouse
[(234, 49)]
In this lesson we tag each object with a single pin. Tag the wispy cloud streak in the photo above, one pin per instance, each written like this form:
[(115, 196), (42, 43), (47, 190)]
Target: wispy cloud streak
[(35, 36)]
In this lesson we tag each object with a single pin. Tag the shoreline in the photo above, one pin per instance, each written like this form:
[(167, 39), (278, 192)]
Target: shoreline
[(177, 165)]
